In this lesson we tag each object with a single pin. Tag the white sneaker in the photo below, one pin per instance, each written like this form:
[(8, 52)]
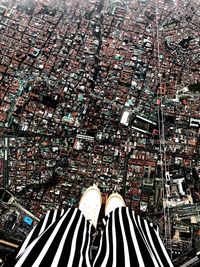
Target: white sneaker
[(90, 204), (114, 201)]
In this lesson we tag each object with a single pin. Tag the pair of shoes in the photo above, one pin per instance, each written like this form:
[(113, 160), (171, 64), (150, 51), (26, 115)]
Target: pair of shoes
[(90, 204)]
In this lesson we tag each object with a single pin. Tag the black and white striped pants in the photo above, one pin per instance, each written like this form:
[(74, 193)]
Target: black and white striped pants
[(64, 238)]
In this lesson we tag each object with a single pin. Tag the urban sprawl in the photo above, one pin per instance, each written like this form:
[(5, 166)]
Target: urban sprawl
[(104, 92)]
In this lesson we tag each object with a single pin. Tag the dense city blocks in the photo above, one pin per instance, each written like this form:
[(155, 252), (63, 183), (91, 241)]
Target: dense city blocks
[(104, 92)]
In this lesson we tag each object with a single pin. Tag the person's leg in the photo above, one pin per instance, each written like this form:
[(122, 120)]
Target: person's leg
[(63, 238), (58, 241), (128, 241)]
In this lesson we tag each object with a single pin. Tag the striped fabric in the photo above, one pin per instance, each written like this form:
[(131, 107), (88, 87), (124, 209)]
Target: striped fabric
[(64, 238), (129, 241)]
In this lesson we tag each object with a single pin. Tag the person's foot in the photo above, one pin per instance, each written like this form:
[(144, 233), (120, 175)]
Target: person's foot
[(90, 204), (114, 201)]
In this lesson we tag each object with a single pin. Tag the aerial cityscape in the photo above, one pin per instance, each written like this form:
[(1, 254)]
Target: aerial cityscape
[(104, 92)]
